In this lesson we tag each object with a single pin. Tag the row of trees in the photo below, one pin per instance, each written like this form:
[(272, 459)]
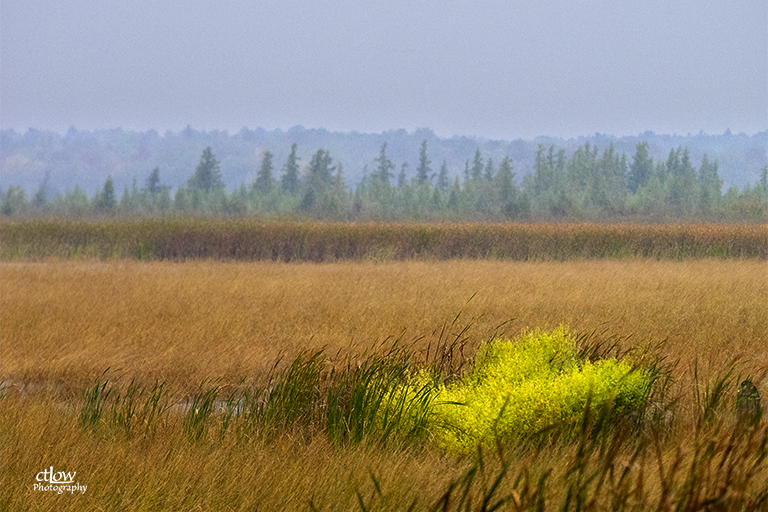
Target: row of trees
[(587, 186)]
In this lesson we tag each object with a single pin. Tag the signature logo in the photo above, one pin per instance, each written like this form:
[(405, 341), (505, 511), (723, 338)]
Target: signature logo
[(56, 478), (58, 482)]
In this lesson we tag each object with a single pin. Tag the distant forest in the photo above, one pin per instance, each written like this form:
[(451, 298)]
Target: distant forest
[(391, 176)]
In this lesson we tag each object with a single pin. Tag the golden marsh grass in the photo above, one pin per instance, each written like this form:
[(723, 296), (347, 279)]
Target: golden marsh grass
[(63, 323), (66, 321)]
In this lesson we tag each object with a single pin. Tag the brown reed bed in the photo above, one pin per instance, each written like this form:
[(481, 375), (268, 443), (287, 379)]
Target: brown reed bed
[(254, 240)]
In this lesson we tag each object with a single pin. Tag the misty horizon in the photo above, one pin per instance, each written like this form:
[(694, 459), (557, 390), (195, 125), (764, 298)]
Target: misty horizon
[(495, 70), (162, 131)]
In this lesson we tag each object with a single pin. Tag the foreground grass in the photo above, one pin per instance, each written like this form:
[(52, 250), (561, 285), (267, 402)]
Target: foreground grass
[(225, 325), (704, 459)]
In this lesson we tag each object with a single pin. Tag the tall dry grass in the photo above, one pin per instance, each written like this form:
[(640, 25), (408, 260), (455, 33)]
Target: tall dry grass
[(67, 322), (719, 467), (64, 322)]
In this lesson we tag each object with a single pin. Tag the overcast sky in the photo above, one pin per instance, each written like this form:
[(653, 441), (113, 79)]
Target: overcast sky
[(495, 68)]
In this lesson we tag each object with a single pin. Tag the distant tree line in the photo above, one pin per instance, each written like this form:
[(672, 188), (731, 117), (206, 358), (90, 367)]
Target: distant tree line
[(588, 186)]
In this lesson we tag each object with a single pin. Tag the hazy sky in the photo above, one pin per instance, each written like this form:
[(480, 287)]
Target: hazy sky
[(495, 68)]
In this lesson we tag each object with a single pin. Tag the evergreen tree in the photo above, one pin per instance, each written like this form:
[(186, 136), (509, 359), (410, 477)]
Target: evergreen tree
[(710, 186), (660, 172), (505, 182), (319, 180), (153, 186), (436, 201), (163, 200), (384, 166), (137, 200), (562, 197), (320, 172), (762, 191), (308, 200), (641, 169), (606, 188), (335, 200), (74, 202), (682, 186), (543, 176), (442, 178), (13, 202), (290, 179), (401, 178), (238, 204), (581, 167), (125, 203), (454, 198), (489, 170), (673, 162), (106, 201), (338, 182), (477, 166), (41, 196), (422, 172), (207, 177), (264, 180), (181, 200), (620, 171), (686, 170), (365, 181), (154, 195), (560, 165)]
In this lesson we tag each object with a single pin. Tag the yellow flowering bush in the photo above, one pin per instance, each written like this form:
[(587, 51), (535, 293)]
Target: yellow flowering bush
[(520, 387)]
